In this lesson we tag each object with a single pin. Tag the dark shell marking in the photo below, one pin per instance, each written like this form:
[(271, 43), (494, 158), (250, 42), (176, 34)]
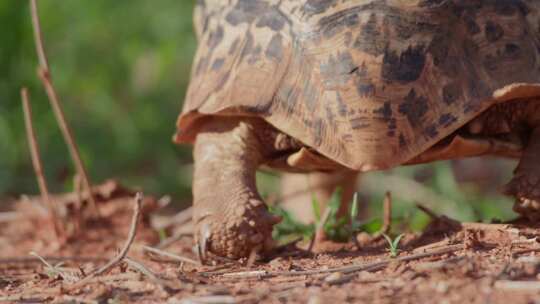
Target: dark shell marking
[(369, 84)]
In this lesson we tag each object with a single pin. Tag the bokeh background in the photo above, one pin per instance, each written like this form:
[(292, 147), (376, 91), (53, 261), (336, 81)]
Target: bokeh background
[(121, 69)]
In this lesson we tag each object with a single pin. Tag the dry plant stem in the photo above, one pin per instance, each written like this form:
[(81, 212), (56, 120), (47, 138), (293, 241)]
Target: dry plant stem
[(78, 216), (172, 256), (122, 254), (319, 232), (37, 164), (428, 211), (387, 212), (68, 136), (529, 286), (44, 75), (53, 259), (178, 219), (37, 36), (171, 240), (148, 273), (10, 216), (373, 266), (387, 217)]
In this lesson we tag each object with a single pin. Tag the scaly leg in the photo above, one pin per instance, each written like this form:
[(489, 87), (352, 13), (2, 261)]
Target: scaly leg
[(525, 185), (230, 217)]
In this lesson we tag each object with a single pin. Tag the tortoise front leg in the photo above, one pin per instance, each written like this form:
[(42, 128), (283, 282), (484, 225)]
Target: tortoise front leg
[(230, 217), (525, 185)]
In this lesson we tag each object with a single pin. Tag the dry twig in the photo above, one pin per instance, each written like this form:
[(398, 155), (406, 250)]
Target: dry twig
[(204, 300), (37, 164), (45, 76), (53, 259), (373, 266), (387, 212), (387, 217), (173, 239), (122, 254), (319, 230), (524, 286), (10, 216), (169, 255), (148, 273), (66, 276), (178, 219)]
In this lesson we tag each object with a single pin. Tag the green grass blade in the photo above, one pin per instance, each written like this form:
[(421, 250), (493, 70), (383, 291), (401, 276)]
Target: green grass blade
[(354, 207), (395, 243), (316, 207)]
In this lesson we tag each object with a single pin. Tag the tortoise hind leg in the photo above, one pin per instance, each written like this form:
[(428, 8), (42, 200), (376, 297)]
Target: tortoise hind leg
[(230, 217), (298, 190), (525, 185)]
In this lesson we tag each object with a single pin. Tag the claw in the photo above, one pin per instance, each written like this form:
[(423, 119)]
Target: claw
[(202, 242), (274, 219), (510, 189)]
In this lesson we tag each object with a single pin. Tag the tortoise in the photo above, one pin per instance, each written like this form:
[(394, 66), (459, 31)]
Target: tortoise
[(353, 85)]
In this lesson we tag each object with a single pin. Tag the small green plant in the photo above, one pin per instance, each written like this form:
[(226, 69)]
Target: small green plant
[(393, 244), (335, 228), (339, 229), (289, 228)]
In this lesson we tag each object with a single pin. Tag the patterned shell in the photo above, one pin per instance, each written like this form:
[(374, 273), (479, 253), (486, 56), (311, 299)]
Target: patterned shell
[(369, 84)]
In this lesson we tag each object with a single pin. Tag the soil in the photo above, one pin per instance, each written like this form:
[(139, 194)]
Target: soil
[(449, 262)]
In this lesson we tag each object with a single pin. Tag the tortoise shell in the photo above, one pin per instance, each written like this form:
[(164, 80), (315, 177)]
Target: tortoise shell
[(369, 84)]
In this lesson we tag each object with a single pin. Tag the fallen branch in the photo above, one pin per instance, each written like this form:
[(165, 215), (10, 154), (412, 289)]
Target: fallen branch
[(169, 255), (122, 254), (37, 164), (373, 266), (522, 251), (204, 300), (53, 259), (172, 239), (45, 76), (524, 286), (149, 273), (10, 216), (178, 219)]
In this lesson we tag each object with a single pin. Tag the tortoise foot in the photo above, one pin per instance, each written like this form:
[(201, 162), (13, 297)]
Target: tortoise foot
[(242, 228), (526, 189)]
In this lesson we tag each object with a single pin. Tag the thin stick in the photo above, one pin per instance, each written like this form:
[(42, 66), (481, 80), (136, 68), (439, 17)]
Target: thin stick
[(40, 50), (122, 254), (373, 266), (387, 217), (149, 273), (428, 212), (66, 276), (36, 162), (387, 212), (53, 259), (172, 256), (524, 286), (177, 220), (319, 231), (45, 76), (10, 216), (172, 239)]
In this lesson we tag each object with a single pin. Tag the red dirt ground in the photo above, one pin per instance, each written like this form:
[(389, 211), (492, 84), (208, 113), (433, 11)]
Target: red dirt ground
[(447, 263)]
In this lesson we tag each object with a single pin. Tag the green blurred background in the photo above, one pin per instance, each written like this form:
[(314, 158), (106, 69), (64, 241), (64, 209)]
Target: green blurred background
[(121, 69)]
